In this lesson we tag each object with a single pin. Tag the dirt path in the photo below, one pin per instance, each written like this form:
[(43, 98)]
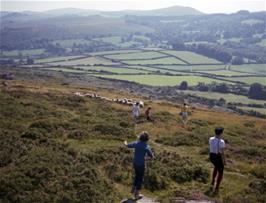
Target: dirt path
[(142, 200), (177, 200)]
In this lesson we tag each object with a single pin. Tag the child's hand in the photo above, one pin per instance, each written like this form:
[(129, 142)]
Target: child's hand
[(125, 142)]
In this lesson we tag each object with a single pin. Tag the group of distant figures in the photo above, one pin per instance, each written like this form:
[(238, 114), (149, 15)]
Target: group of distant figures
[(144, 152), (136, 113), (136, 105)]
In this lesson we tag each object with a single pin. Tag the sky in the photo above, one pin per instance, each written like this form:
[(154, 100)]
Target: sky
[(206, 6)]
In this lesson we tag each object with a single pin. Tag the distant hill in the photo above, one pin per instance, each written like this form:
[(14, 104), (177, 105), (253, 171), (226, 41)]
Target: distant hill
[(170, 11), (71, 11)]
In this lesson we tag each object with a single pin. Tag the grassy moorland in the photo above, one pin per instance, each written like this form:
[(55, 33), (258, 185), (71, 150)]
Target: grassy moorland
[(57, 147)]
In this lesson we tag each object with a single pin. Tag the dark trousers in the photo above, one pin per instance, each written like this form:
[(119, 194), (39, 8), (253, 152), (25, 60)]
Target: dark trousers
[(139, 176), (217, 161)]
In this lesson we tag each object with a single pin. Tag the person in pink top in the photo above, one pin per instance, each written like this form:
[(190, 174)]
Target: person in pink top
[(148, 114)]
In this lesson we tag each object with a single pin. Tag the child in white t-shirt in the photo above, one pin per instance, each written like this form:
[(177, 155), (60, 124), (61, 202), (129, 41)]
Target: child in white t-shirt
[(217, 156), (136, 112)]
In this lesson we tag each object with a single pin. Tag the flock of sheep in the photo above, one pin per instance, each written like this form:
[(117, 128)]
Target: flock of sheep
[(124, 101)]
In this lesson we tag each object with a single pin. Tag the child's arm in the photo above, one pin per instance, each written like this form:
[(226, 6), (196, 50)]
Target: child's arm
[(150, 153), (130, 145), (223, 156)]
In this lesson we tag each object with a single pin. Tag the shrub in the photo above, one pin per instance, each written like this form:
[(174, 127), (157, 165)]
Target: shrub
[(113, 130), (153, 181), (255, 192), (253, 152), (163, 116), (78, 134), (47, 174), (44, 125), (32, 134), (259, 171), (179, 139), (200, 122)]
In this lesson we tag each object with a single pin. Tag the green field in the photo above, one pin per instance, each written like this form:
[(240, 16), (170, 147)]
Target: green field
[(250, 68), (30, 52), (69, 70), (52, 59), (129, 44), (162, 80), (197, 42), (260, 110), (250, 80), (114, 52), (225, 73), (135, 56), (222, 41), (69, 43), (193, 68), (160, 70), (166, 61), (119, 70), (112, 40), (228, 97), (141, 37), (83, 61), (191, 57)]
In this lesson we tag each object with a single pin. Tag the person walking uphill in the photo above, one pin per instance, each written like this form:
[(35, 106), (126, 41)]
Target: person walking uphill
[(148, 114), (184, 114), (217, 157), (142, 149), (136, 112)]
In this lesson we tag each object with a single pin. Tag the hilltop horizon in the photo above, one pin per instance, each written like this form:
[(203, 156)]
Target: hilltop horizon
[(113, 6), (76, 10), (164, 11)]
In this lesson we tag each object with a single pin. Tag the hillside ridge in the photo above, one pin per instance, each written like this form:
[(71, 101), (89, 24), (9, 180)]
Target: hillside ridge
[(68, 139)]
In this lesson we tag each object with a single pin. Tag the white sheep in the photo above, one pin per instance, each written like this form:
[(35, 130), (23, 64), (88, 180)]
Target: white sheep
[(141, 104)]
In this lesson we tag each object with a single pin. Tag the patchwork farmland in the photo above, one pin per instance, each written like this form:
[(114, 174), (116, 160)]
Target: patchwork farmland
[(149, 65), (165, 68)]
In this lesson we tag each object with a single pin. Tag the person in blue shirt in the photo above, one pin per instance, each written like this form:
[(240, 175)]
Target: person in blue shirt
[(142, 149)]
